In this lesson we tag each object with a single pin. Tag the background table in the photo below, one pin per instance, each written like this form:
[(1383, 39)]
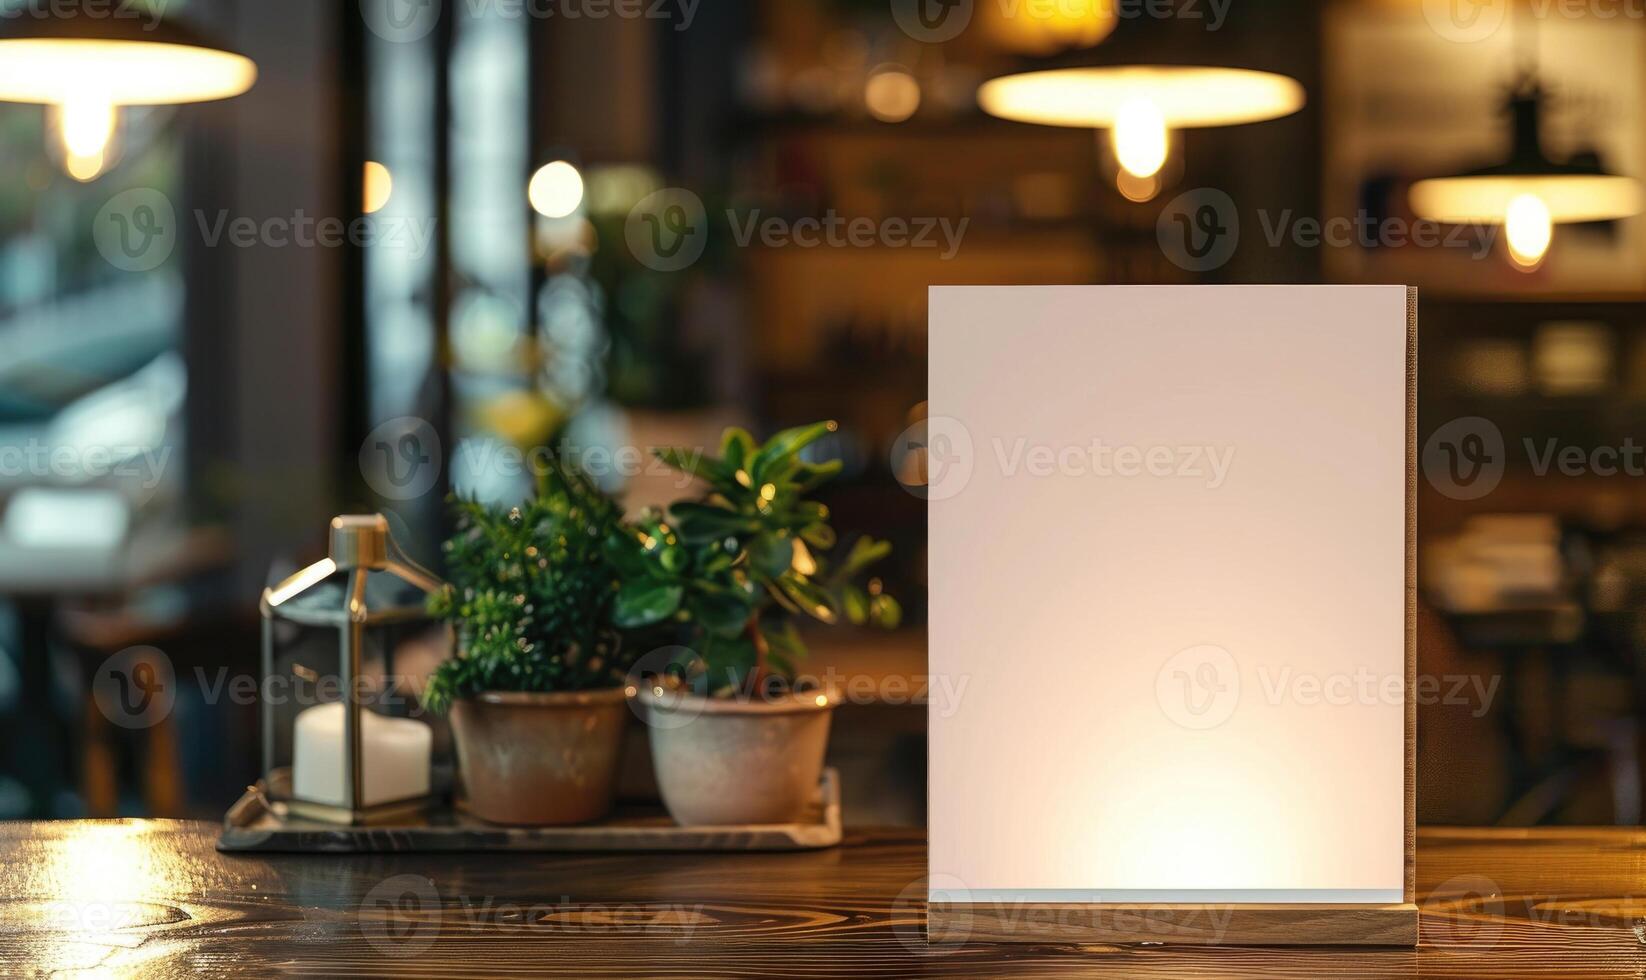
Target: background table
[(153, 899)]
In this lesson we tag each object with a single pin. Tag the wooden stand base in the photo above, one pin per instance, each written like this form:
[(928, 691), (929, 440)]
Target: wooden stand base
[(1203, 925)]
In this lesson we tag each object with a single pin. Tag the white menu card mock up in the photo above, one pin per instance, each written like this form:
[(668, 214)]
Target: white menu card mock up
[(1169, 575)]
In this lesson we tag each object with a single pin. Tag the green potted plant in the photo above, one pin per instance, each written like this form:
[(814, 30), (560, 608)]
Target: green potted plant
[(536, 691), (736, 737)]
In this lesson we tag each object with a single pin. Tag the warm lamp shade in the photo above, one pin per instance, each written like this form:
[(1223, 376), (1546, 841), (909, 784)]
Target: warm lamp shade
[(1579, 189), (1187, 96), (1186, 75), (1485, 199), (116, 61)]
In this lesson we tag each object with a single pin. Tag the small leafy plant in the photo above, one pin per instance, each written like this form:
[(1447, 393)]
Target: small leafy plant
[(735, 567), (531, 594)]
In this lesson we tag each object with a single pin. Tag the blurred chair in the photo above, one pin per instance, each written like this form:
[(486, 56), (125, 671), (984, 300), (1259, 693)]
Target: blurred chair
[(178, 766), (42, 582)]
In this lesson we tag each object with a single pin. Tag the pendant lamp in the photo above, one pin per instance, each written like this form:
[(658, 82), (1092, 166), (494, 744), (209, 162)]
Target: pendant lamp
[(85, 67), (1151, 77), (1528, 193)]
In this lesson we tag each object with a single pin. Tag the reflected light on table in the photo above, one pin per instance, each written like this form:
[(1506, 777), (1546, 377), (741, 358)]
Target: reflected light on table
[(95, 896)]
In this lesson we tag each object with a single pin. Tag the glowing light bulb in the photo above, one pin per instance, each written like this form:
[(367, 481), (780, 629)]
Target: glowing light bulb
[(1138, 190), (892, 95), (1529, 230), (85, 128), (556, 190), (379, 187), (1139, 135), (84, 169)]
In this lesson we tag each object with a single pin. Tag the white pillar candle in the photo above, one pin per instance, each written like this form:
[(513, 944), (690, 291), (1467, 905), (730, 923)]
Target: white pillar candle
[(394, 754)]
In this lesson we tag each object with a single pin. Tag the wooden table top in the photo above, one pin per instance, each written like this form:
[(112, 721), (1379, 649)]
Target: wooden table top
[(153, 899)]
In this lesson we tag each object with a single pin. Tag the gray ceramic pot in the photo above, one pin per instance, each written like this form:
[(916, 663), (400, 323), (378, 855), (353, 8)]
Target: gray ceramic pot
[(540, 759), (723, 762)]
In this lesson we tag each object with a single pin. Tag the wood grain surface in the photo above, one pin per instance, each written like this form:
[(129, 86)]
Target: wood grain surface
[(155, 899)]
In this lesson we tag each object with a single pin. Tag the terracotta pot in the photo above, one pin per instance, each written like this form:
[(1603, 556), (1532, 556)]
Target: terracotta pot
[(727, 761), (540, 759)]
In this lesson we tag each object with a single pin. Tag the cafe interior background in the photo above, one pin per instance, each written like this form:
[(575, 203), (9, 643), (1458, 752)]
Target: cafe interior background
[(252, 383)]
